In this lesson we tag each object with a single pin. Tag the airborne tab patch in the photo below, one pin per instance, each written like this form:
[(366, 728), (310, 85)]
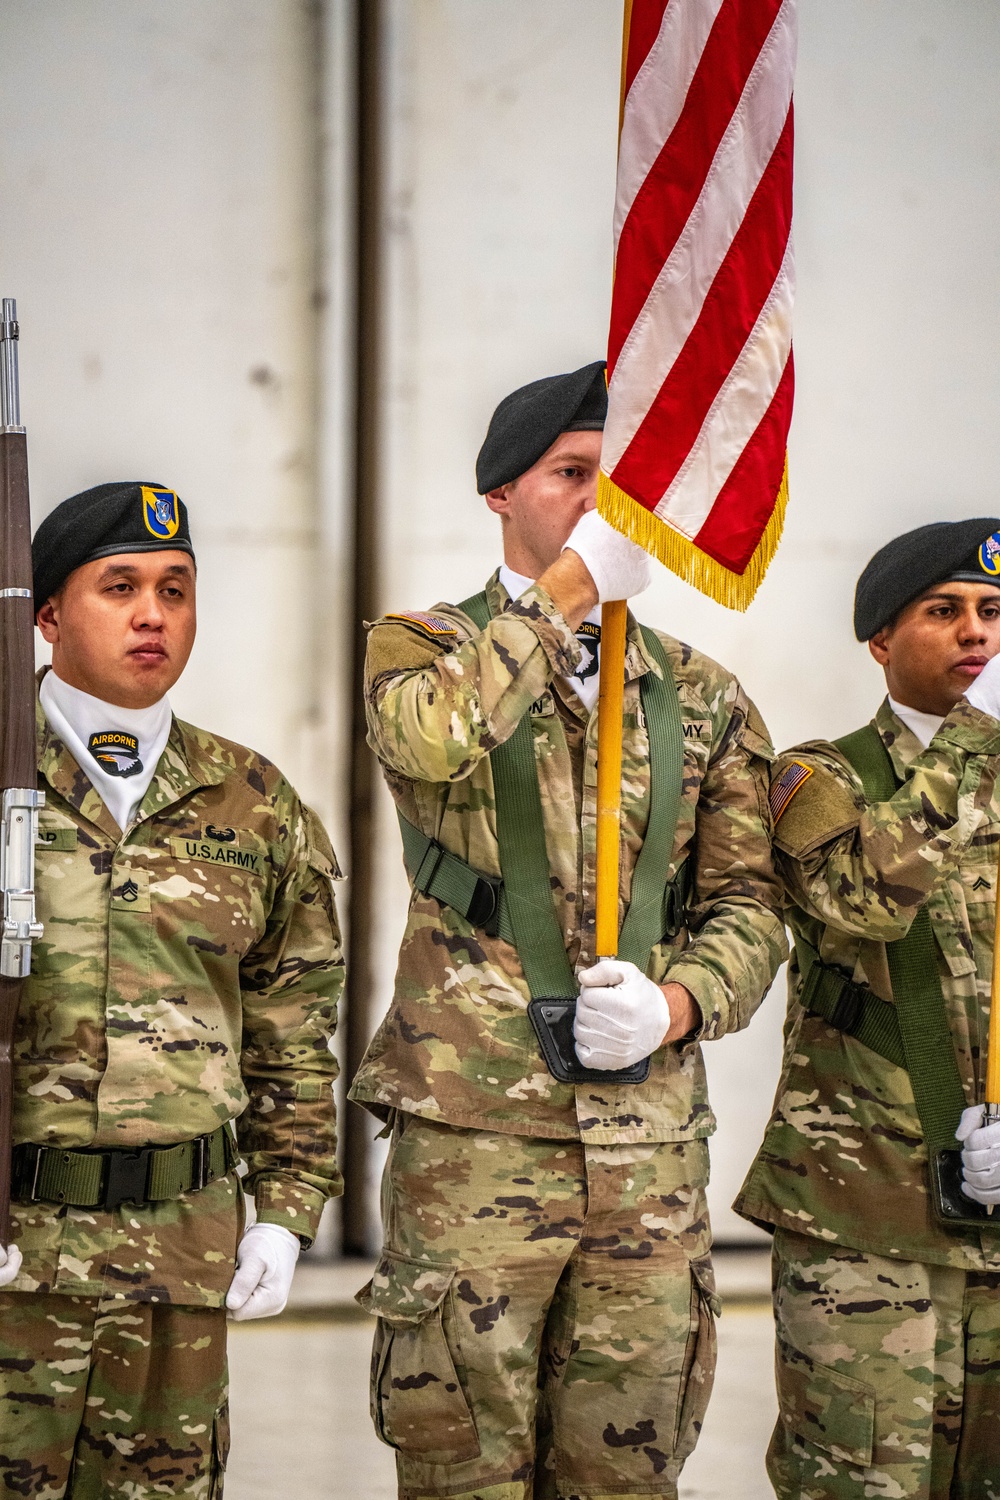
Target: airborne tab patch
[(791, 780), (429, 624)]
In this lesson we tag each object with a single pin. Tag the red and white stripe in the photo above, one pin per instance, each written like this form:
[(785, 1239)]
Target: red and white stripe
[(699, 355)]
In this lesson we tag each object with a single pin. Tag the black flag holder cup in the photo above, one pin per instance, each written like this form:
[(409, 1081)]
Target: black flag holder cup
[(18, 758)]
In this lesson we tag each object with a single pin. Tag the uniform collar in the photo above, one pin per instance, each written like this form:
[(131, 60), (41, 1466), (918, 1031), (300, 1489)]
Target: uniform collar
[(898, 738), (185, 766), (637, 659)]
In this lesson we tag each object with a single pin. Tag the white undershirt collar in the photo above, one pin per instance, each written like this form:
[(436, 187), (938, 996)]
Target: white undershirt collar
[(130, 742), (587, 687)]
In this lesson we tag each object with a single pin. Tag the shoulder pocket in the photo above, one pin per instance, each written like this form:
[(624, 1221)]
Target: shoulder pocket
[(810, 806), (319, 850), (754, 736), (418, 1403)]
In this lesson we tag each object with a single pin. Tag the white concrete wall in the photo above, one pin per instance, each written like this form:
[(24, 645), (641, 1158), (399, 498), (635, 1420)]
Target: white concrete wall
[(503, 141), (160, 231)]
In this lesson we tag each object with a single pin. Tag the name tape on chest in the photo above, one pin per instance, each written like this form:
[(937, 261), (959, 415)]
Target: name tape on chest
[(791, 780), (432, 625)]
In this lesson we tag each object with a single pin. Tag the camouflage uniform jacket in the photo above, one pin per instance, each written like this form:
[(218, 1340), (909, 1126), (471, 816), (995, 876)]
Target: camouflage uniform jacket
[(457, 1044), (844, 1157), (188, 975)]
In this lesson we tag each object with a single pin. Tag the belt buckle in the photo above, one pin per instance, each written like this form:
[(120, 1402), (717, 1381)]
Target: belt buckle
[(848, 1010), (200, 1163), (127, 1177), (484, 908), (27, 1172)]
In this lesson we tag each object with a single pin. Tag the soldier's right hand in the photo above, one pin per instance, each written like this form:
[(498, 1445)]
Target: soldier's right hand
[(10, 1264), (980, 1156), (621, 1015), (618, 567)]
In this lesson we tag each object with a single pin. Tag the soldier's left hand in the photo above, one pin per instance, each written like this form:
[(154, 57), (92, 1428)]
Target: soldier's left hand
[(10, 1264), (980, 1156), (265, 1265), (621, 1016)]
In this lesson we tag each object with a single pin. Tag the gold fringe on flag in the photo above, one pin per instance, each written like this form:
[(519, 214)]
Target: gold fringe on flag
[(681, 556)]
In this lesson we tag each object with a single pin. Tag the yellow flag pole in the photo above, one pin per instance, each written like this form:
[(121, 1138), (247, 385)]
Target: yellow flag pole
[(614, 623), (992, 1110), (993, 1052)]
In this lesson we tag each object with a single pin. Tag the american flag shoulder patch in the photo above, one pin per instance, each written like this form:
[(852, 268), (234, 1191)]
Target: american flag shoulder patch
[(429, 624), (791, 780)]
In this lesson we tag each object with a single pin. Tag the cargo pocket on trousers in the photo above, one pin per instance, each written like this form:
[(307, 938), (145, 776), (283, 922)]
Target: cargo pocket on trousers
[(220, 1451), (418, 1403), (698, 1371), (831, 1411)]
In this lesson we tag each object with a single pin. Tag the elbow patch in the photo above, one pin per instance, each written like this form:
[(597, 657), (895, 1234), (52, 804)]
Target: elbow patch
[(810, 806)]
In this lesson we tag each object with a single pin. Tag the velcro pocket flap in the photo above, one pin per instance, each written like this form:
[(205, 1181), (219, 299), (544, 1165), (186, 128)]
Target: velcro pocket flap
[(405, 1291), (418, 1402), (949, 925), (828, 1409)]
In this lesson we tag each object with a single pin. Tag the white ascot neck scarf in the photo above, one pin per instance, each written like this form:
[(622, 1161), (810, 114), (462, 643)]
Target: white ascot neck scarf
[(586, 683), (924, 726), (117, 748)]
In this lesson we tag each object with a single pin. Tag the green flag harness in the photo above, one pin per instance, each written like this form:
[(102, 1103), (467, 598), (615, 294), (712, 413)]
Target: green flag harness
[(913, 1033), (519, 907)]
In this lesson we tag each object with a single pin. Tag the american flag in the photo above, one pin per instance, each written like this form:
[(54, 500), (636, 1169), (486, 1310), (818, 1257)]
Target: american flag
[(700, 350)]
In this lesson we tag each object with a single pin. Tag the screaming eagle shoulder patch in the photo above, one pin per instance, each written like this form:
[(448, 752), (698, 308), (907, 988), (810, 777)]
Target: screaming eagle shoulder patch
[(791, 780), (116, 752)]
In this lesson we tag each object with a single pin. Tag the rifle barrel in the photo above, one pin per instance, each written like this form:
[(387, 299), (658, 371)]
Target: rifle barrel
[(10, 396), (18, 757)]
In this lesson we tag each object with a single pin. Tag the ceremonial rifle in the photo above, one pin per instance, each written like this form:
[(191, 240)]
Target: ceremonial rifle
[(18, 757)]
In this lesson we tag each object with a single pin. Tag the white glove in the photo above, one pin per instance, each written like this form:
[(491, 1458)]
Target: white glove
[(984, 692), (981, 1157), (265, 1265), (621, 1016), (10, 1264), (618, 567)]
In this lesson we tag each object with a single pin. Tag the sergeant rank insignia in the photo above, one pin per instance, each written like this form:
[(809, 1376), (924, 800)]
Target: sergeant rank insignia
[(791, 780), (116, 753)]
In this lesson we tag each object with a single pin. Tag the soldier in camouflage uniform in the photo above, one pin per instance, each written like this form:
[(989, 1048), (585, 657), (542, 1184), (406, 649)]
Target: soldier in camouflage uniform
[(187, 978), (888, 1315), (545, 1295)]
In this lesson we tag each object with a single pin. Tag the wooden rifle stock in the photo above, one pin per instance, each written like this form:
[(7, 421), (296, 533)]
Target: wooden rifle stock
[(18, 756)]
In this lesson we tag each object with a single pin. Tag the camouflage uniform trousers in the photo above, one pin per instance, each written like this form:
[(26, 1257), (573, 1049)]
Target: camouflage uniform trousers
[(101, 1397), (546, 1314), (888, 1377)]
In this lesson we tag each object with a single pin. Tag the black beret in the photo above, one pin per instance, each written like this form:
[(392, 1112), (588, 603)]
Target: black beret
[(528, 421), (906, 567), (131, 516)]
